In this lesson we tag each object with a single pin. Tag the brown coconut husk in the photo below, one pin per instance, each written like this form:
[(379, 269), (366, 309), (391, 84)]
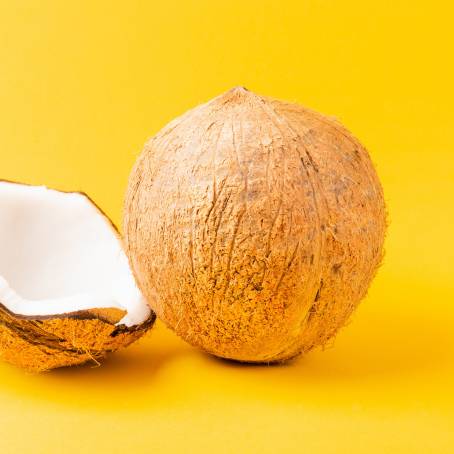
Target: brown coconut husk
[(254, 226), (38, 343)]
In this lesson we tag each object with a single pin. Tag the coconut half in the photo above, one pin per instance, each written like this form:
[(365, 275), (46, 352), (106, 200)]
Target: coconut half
[(67, 294)]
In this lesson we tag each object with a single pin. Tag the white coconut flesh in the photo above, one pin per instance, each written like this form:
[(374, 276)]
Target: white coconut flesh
[(60, 254)]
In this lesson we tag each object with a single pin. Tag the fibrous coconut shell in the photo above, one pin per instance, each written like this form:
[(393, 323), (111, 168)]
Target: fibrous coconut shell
[(254, 226), (41, 343)]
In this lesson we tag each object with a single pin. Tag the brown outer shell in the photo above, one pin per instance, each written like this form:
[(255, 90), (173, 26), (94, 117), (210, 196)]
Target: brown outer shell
[(254, 226), (39, 343)]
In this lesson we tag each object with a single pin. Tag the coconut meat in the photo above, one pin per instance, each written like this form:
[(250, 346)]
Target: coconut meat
[(60, 254)]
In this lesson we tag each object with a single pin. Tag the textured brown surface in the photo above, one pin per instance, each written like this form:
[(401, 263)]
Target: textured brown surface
[(254, 226), (41, 343)]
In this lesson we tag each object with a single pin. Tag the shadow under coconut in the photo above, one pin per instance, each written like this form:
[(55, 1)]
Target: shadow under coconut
[(374, 346), (129, 375), (369, 361), (380, 348), (132, 366), (390, 336)]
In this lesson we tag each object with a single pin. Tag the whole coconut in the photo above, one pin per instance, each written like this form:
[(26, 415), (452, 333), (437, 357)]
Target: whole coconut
[(254, 226)]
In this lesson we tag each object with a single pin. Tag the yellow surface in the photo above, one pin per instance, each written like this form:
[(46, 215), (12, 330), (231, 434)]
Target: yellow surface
[(84, 83)]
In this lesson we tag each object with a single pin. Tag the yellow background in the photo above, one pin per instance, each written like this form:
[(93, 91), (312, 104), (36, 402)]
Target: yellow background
[(84, 83)]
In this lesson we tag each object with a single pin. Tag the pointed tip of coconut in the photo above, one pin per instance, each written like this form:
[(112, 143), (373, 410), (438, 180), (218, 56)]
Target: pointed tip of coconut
[(237, 93), (239, 89)]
